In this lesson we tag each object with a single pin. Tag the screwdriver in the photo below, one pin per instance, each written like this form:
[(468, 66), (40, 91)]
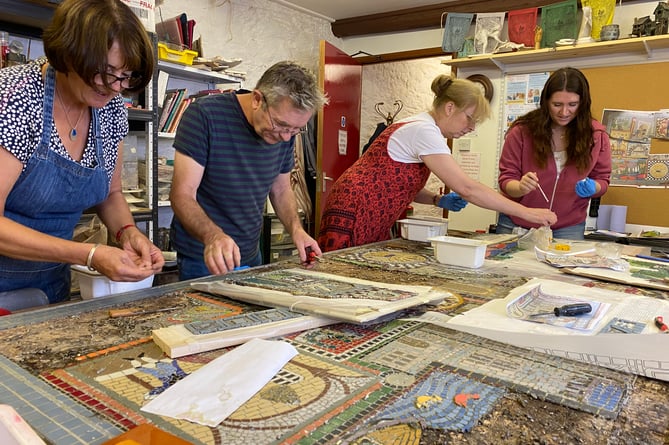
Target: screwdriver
[(568, 310)]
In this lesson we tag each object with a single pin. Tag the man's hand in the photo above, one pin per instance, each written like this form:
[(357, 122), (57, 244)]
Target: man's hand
[(221, 254)]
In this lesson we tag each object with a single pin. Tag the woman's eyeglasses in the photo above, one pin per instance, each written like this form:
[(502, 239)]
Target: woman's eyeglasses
[(130, 81), (470, 119)]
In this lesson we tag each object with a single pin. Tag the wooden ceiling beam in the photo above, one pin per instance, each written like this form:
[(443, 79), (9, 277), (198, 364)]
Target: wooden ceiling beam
[(424, 16)]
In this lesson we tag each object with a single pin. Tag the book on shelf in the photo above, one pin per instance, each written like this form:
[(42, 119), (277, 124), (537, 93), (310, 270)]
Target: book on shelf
[(172, 30), (206, 93), (177, 30), (179, 112), (168, 101), (181, 93)]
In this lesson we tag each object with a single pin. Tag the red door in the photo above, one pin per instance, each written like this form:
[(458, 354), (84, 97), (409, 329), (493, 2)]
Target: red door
[(339, 122)]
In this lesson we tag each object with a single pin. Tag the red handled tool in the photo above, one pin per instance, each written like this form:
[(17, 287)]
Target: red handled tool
[(311, 255), (659, 322)]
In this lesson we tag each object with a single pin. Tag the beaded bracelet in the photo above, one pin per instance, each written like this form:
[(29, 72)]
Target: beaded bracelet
[(89, 259), (119, 234)]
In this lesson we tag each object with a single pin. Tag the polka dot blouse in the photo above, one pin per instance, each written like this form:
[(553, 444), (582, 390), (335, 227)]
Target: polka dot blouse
[(21, 106)]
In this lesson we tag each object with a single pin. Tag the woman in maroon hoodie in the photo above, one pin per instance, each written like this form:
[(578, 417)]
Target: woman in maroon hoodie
[(556, 156)]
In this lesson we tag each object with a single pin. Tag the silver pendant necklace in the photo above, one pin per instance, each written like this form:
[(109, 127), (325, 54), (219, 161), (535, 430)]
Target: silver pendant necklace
[(73, 128)]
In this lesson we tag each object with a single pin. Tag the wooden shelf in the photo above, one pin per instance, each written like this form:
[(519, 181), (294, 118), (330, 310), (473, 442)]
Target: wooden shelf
[(631, 50)]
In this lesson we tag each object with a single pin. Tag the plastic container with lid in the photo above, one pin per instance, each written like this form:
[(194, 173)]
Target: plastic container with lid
[(419, 228), (456, 251)]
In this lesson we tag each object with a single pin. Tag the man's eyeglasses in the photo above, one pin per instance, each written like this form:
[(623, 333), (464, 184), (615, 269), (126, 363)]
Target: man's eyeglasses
[(130, 81), (281, 129)]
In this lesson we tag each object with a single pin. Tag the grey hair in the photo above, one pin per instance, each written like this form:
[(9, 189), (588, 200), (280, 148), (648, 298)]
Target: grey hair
[(290, 80)]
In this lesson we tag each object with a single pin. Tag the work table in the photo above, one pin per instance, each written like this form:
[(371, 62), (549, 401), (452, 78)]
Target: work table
[(349, 382)]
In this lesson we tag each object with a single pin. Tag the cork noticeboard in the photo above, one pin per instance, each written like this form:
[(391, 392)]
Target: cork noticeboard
[(640, 87)]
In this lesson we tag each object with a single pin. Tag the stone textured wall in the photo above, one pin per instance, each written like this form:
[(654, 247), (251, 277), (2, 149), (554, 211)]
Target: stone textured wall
[(260, 32)]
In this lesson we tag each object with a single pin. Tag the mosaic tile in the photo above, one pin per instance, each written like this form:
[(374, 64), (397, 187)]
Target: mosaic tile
[(414, 259), (566, 382), (303, 392), (56, 417), (240, 321), (442, 411)]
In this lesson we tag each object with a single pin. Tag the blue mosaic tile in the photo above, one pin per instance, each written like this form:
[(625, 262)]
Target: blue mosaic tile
[(54, 416), (443, 412)]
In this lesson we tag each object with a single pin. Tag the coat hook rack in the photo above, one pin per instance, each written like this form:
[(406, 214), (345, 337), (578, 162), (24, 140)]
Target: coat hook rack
[(388, 116)]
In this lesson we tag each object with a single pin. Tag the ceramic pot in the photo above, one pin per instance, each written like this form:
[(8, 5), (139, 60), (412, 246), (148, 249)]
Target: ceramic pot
[(609, 32)]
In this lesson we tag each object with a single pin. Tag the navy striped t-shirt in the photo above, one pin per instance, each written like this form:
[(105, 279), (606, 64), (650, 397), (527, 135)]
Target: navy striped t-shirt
[(240, 168)]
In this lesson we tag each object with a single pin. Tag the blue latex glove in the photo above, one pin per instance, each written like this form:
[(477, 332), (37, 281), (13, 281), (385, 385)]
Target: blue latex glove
[(585, 188), (452, 202)]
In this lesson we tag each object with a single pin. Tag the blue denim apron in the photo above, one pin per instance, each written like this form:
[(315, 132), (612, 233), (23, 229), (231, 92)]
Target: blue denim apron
[(50, 196)]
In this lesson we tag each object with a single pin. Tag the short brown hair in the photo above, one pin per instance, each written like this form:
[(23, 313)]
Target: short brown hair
[(81, 33)]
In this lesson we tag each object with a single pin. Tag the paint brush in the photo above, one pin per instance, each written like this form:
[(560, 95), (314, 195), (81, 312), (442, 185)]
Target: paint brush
[(542, 192)]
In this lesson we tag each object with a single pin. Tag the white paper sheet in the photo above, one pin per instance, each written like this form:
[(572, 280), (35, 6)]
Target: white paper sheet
[(644, 354), (213, 392)]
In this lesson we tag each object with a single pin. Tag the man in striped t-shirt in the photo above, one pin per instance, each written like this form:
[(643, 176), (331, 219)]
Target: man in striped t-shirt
[(232, 150)]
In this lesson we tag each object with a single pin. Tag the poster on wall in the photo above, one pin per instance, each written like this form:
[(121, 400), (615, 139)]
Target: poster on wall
[(631, 133), (661, 124), (523, 94)]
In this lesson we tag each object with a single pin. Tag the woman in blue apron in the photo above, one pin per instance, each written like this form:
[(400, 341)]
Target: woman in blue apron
[(62, 122)]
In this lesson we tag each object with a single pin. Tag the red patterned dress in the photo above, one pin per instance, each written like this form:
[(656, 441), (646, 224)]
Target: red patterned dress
[(369, 197)]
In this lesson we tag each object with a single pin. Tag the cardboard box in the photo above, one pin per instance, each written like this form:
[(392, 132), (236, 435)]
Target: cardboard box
[(145, 10)]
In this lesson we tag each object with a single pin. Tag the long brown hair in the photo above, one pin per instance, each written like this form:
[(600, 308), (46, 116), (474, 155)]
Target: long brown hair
[(578, 131)]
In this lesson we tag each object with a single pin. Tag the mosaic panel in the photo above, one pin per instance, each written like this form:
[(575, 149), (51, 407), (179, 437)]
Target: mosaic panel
[(240, 321), (445, 401), (59, 419), (304, 392), (474, 283), (318, 286), (342, 341), (576, 385)]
